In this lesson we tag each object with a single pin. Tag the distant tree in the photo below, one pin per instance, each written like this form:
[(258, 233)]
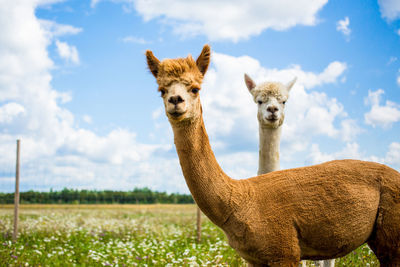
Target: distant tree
[(69, 196)]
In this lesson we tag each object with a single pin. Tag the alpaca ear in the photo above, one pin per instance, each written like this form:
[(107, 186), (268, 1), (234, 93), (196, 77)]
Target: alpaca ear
[(203, 60), (152, 62), (291, 83), (249, 82)]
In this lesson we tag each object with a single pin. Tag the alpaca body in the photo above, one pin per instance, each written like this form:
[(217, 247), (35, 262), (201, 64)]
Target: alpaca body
[(276, 219), (313, 212)]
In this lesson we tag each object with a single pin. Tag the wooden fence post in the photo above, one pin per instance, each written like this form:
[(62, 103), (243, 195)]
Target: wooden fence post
[(198, 224), (16, 195)]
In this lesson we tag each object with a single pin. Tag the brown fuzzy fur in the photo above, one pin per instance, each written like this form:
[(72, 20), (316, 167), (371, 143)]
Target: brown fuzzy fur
[(181, 70), (276, 219)]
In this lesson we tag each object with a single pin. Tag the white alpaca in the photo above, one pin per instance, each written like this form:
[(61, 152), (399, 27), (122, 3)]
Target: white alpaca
[(270, 98)]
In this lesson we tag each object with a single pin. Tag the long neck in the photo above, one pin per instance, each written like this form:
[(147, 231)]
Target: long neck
[(268, 160), (211, 188)]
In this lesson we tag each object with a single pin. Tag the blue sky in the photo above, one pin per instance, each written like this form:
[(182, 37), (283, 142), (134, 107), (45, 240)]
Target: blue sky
[(76, 90)]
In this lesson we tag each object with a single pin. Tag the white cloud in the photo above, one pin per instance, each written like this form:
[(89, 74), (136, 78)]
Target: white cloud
[(349, 130), (239, 164), (383, 116), (87, 119), (47, 2), (373, 98), (54, 29), (9, 111), (117, 147), (93, 3), (329, 75), (343, 27), (25, 77), (312, 114), (63, 97), (350, 151), (135, 40), (240, 19), (310, 79), (393, 154), (390, 9), (67, 52), (128, 5)]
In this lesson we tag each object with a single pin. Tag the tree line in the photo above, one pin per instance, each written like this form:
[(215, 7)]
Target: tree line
[(73, 196)]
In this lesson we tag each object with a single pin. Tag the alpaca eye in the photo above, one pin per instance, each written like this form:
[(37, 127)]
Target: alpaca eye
[(259, 102), (195, 90), (284, 102), (162, 92)]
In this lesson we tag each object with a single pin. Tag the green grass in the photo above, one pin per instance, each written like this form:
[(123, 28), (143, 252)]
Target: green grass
[(122, 235)]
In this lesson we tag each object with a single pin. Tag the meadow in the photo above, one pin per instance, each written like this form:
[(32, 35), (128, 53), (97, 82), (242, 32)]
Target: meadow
[(122, 235)]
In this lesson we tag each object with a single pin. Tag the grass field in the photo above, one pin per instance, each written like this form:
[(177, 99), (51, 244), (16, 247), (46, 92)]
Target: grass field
[(122, 235)]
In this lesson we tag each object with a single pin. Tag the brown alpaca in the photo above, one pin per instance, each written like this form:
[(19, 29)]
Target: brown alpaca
[(319, 212)]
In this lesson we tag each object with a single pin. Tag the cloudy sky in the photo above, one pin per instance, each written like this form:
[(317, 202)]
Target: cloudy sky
[(74, 86)]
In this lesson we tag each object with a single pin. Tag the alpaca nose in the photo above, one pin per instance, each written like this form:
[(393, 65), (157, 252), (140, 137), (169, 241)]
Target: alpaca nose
[(176, 99), (272, 109)]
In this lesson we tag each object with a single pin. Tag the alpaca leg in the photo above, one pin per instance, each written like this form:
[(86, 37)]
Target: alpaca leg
[(385, 241), (327, 263), (388, 258), (330, 263)]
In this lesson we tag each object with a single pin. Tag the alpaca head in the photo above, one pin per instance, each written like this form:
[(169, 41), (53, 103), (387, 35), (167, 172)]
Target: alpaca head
[(179, 82), (270, 98)]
